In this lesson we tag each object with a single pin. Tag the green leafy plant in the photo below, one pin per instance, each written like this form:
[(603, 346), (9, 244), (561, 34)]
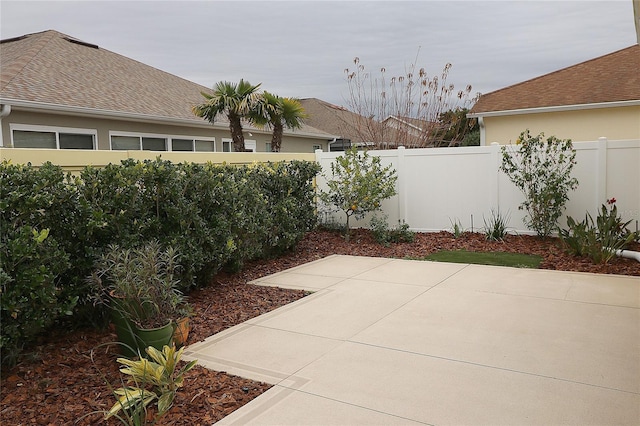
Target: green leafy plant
[(456, 228), (141, 283), (385, 236), (31, 301), (216, 216), (599, 239), (358, 185), (154, 379), (541, 169), (495, 228)]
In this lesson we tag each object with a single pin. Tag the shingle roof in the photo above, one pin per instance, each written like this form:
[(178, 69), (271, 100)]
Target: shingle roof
[(332, 118), (52, 68), (609, 78)]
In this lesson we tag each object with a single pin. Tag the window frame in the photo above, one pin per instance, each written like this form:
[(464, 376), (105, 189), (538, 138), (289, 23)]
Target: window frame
[(227, 141), (55, 130), (167, 137)]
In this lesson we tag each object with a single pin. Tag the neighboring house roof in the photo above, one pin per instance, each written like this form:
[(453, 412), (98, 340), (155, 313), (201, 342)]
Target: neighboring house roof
[(410, 124), (610, 78), (53, 71), (332, 119)]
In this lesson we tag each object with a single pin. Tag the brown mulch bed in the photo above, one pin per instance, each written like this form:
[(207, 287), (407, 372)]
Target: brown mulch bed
[(65, 376)]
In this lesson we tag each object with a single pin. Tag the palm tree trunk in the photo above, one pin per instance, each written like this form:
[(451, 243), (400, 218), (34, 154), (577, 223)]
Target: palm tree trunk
[(235, 126), (276, 138)]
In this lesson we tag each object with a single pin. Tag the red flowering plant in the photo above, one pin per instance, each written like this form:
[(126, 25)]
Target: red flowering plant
[(599, 239)]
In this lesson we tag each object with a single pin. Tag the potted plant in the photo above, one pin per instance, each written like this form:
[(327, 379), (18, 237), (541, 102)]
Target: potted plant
[(141, 287)]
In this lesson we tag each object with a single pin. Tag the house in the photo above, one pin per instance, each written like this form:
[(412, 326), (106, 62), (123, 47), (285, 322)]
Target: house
[(358, 130), (59, 92), (337, 120), (595, 98), (351, 128)]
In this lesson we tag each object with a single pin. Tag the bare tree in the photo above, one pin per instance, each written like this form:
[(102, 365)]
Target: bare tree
[(402, 110)]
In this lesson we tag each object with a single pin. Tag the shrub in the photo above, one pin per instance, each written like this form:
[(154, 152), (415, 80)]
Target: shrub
[(47, 198), (359, 184), (385, 236), (214, 215), (31, 263), (542, 171), (598, 240), (495, 228)]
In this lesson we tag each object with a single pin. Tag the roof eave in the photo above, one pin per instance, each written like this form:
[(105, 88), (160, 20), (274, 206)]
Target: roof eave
[(101, 113), (137, 117), (559, 108)]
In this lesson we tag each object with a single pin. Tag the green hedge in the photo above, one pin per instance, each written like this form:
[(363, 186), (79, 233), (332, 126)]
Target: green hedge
[(54, 225)]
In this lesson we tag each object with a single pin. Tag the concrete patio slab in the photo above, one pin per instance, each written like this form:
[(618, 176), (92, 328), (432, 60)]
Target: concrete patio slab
[(581, 342), (385, 341), (342, 311)]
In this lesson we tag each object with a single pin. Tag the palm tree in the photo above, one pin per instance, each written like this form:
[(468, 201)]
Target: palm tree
[(278, 113), (234, 100)]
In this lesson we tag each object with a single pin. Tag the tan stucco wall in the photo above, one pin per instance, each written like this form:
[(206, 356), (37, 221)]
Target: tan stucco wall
[(582, 125), (74, 160), (104, 126)]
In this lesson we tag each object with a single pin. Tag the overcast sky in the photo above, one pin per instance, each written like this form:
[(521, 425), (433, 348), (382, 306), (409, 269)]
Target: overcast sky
[(301, 48)]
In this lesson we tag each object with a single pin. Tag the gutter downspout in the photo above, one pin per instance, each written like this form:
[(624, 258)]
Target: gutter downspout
[(629, 254), (330, 143), (5, 110), (483, 134)]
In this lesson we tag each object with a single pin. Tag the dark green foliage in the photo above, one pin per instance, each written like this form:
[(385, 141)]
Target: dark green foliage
[(385, 235), (456, 127), (38, 236), (598, 239), (214, 215), (32, 300), (471, 139)]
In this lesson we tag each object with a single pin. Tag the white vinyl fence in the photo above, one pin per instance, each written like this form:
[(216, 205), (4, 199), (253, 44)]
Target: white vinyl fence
[(437, 186)]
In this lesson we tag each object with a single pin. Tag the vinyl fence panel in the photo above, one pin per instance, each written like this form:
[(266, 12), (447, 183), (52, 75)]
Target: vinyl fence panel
[(439, 186)]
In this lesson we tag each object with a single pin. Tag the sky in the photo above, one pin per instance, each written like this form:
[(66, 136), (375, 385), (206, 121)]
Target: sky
[(301, 48)]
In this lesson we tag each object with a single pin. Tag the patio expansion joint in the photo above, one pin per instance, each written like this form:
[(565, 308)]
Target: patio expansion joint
[(386, 413), (557, 299), (494, 367)]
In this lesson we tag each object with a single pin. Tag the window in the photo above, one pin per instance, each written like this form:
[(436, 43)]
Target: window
[(125, 143), (250, 146), (154, 144), (227, 145), (205, 146), (151, 142), (26, 139), (75, 141), (267, 147), (181, 145), (28, 136)]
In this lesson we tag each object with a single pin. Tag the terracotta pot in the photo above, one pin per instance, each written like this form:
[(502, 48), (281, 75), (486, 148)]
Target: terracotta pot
[(181, 331)]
